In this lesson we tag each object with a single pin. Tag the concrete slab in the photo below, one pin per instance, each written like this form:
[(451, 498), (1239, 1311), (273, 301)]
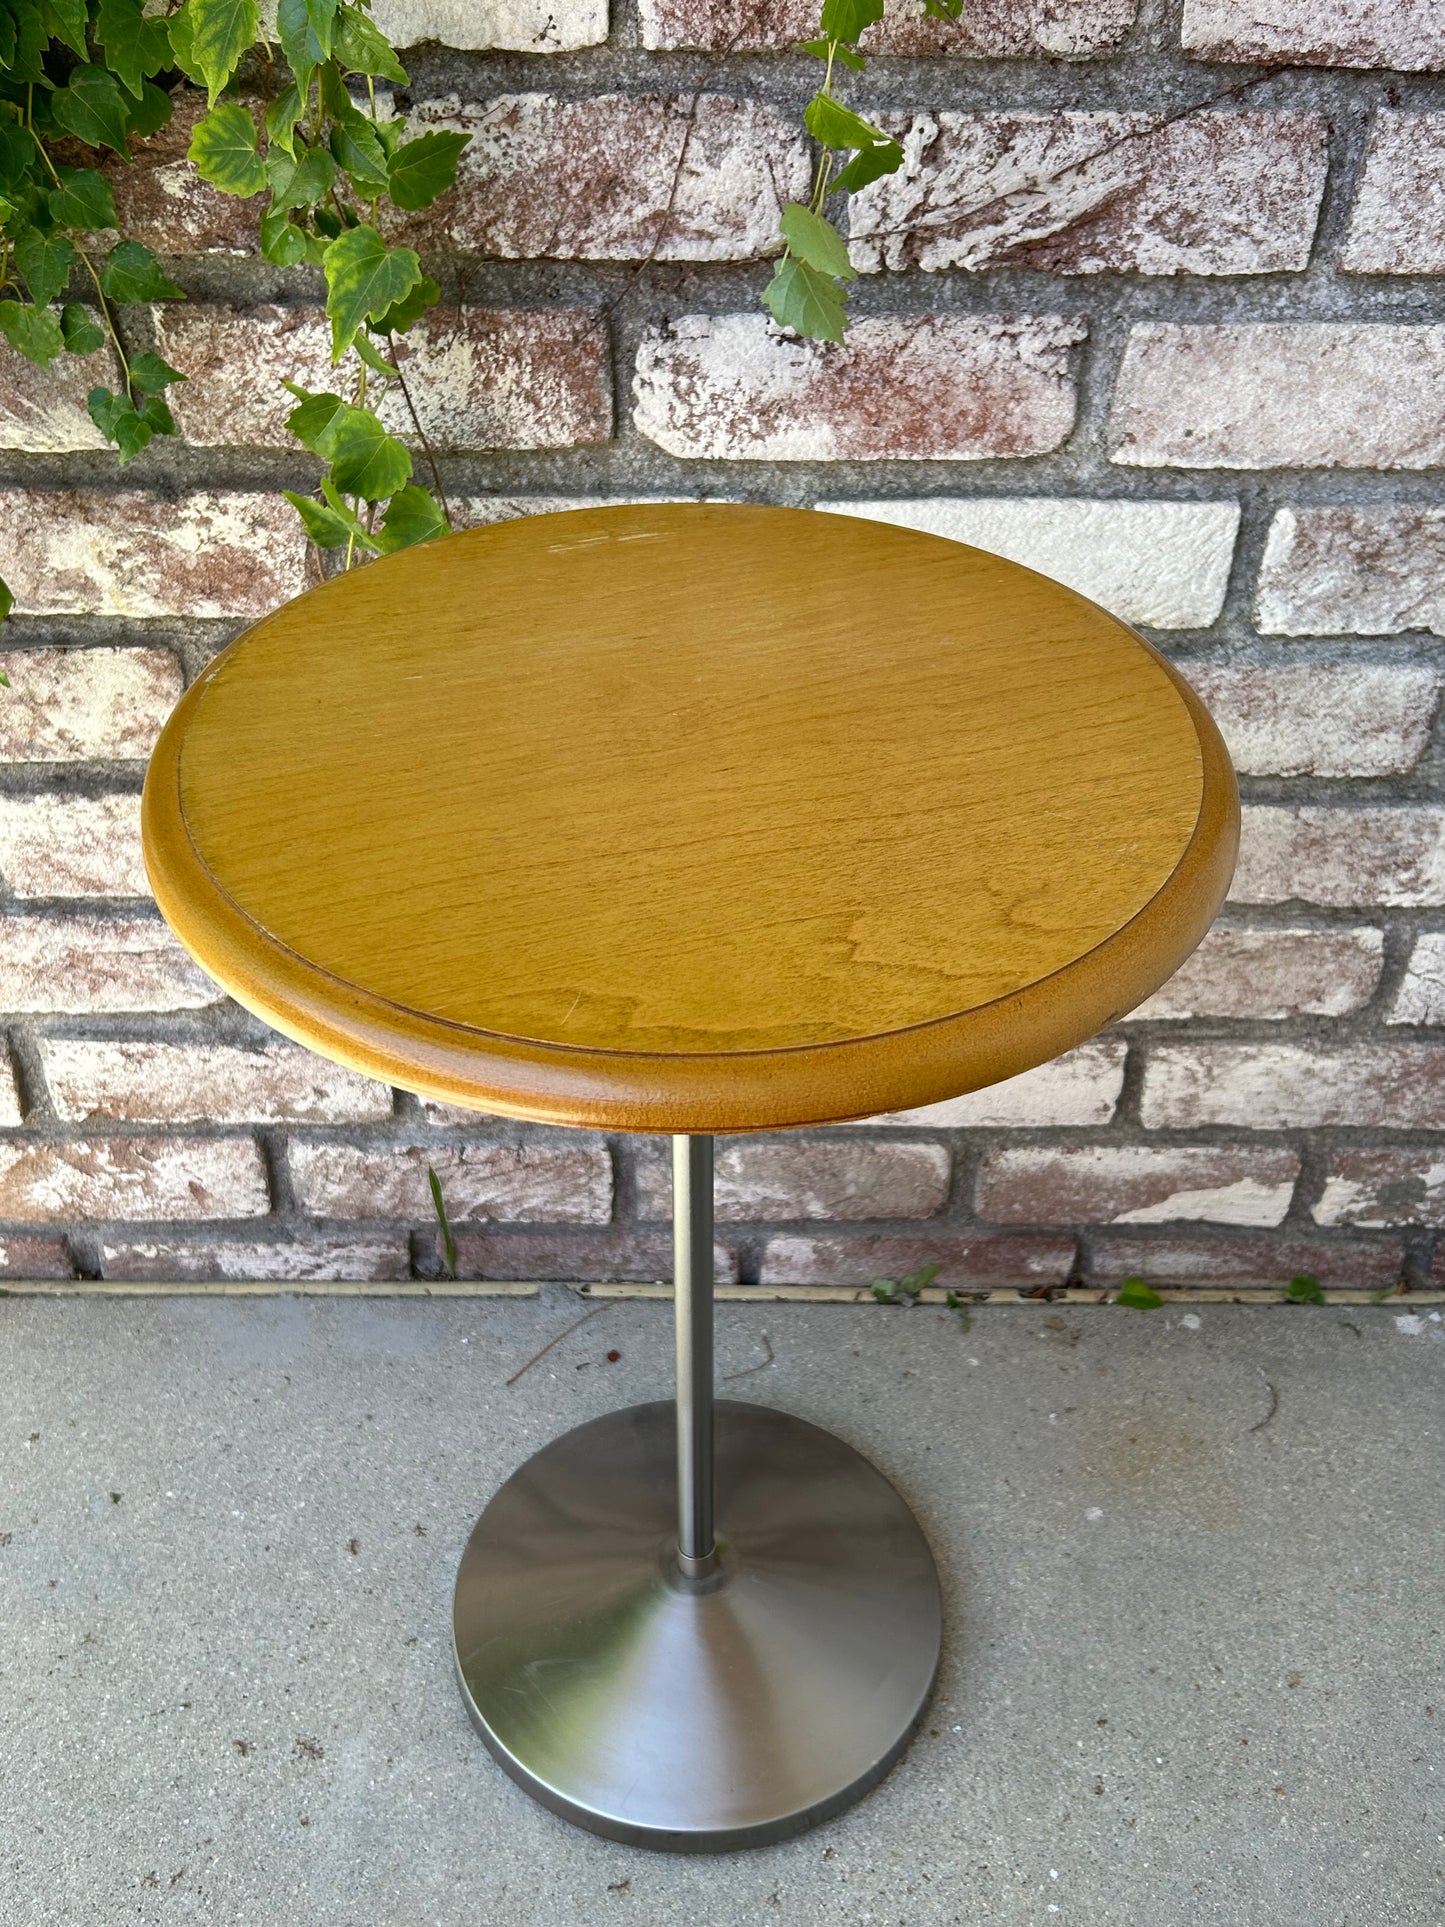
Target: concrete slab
[(1194, 1571)]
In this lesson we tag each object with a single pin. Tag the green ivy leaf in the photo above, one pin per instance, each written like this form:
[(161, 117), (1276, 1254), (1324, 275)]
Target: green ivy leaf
[(403, 314), (835, 50), (301, 182), (45, 260), (361, 47), (7, 603), (310, 421), (306, 30), (224, 148), (152, 375), (31, 331), (885, 1290), (132, 273), (847, 19), (816, 241), (365, 460), (1304, 1290), (326, 528), (281, 118), (951, 10), (81, 333), (373, 356), (91, 107), (32, 38), (281, 240), (1139, 1296), (808, 302), (121, 423), (65, 20), (413, 515), (151, 111), (868, 164), (837, 126), (364, 279), (136, 44), (83, 200), (919, 1281), (220, 31), (425, 167), (358, 152)]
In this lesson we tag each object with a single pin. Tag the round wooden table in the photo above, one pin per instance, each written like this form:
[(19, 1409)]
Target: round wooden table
[(692, 819)]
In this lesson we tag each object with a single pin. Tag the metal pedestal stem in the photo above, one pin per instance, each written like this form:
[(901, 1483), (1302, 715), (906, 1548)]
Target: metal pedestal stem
[(694, 1626)]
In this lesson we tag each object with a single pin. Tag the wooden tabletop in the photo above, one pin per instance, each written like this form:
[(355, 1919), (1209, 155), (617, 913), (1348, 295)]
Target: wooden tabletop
[(690, 818)]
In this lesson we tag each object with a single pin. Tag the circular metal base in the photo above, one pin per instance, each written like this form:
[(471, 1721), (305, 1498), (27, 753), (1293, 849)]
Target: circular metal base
[(697, 1715)]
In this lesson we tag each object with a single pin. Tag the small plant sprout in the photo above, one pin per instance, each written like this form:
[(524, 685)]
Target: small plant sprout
[(1138, 1295), (449, 1243), (904, 1291), (1304, 1290), (955, 1303)]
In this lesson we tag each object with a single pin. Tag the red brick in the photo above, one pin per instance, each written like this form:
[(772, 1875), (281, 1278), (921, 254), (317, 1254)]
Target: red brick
[(1080, 1088), (1320, 718), (1266, 1262), (148, 1179), (88, 964), (69, 705), (59, 845), (1137, 1184), (1264, 1087), (353, 1260), (1397, 225), (1391, 855), (970, 1259), (568, 1183), (609, 163), (1281, 394), (793, 1177), (1367, 571), (479, 377), (1273, 972), (162, 202), (1421, 998), (1383, 1189), (42, 410), (526, 26), (990, 28), (1085, 193), (84, 552), (33, 1258), (1407, 34), (945, 387), (619, 1254), (141, 1082)]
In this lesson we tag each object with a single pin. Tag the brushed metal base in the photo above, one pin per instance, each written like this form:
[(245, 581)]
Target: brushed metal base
[(697, 1715)]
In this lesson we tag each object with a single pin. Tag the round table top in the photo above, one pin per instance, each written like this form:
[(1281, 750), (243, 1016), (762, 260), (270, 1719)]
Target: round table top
[(690, 817)]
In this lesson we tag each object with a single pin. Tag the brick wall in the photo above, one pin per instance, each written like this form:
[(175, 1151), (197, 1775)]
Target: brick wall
[(1157, 321)]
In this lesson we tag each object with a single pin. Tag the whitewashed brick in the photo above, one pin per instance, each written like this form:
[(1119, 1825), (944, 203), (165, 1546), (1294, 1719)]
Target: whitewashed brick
[(1163, 564), (1080, 1088), (136, 1179), (568, 1183), (1281, 394), (1057, 29), (521, 26), (240, 1260), (162, 202), (84, 552), (945, 387), (1387, 855), (141, 1081), (1397, 225), (1265, 1087), (1320, 718), (1085, 193), (1407, 34), (1379, 1189), (55, 845), (1421, 997), (68, 705), (981, 1260), (1214, 1259), (42, 410), (1137, 1184), (1365, 571), (792, 1177), (10, 1111), (1272, 973), (90, 965)]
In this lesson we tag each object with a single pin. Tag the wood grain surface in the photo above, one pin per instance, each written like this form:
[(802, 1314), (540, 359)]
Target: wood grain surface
[(690, 817)]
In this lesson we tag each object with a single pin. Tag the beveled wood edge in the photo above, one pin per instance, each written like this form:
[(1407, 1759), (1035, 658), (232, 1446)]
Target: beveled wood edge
[(707, 1092)]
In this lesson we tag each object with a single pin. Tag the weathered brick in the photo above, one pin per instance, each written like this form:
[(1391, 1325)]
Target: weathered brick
[(1320, 718), (617, 1254), (973, 1259), (479, 377), (1397, 225), (140, 1179), (161, 201), (1164, 564), (478, 511), (946, 387), (10, 1112), (141, 1081), (1281, 394), (1368, 571), (610, 163), (1421, 998), (523, 26), (1085, 193), (1080, 1088), (1388, 855), (567, 1183), (68, 705), (42, 410), (989, 28), (56, 845), (1383, 1189), (37, 1258), (1266, 1262), (84, 552), (1408, 34), (790, 1177), (1137, 1184), (1273, 972), (354, 1260), (1268, 1087), (85, 964)]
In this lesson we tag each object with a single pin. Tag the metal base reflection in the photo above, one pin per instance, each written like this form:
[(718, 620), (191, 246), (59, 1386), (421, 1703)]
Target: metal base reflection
[(697, 1716)]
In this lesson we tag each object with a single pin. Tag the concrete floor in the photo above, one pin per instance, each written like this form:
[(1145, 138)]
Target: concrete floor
[(1194, 1662)]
